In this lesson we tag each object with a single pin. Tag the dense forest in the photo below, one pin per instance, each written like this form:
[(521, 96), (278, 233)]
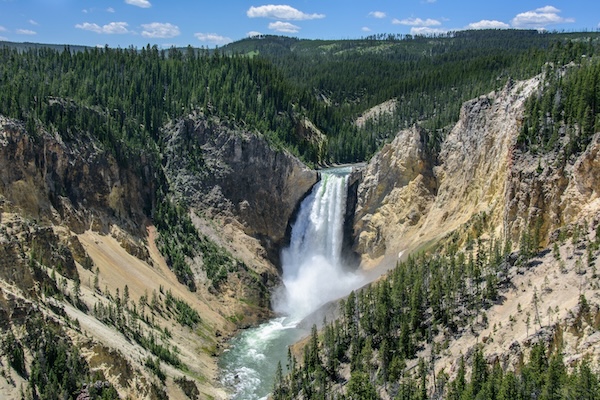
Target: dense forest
[(395, 317), (566, 114), (123, 97), (430, 77)]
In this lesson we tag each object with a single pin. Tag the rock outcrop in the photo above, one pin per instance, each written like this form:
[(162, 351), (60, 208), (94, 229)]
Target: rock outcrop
[(397, 189), (237, 175), (476, 158), (549, 192), (75, 183)]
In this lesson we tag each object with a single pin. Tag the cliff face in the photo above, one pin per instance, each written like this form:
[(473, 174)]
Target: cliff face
[(483, 186), (74, 184), (421, 203), (405, 202), (397, 189), (548, 192), (237, 175)]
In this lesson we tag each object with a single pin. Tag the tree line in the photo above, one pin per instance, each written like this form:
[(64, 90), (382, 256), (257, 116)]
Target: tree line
[(429, 76), (566, 110), (123, 97)]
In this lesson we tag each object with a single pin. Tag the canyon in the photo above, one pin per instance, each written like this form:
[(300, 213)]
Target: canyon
[(83, 217)]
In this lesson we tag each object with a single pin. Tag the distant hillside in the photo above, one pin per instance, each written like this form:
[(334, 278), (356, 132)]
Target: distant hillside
[(429, 76), (282, 83), (24, 46)]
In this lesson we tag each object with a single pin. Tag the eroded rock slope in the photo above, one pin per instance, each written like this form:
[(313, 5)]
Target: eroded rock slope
[(80, 264)]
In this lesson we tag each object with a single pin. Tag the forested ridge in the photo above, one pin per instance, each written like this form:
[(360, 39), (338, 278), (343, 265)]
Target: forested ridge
[(429, 76), (566, 114), (269, 84), (123, 97)]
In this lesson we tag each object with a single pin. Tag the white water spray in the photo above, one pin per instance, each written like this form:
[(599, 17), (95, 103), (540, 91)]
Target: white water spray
[(313, 274), (313, 270)]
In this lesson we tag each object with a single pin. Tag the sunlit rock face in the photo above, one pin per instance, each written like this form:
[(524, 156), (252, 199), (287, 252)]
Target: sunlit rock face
[(396, 190), (407, 199)]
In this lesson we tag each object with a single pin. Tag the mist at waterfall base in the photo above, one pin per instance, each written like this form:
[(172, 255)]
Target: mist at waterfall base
[(314, 274)]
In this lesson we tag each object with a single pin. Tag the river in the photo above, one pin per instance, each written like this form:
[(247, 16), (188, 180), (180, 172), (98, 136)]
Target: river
[(313, 274)]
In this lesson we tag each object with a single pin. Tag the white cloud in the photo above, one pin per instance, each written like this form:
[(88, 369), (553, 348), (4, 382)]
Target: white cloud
[(280, 12), (365, 29), (539, 18), (212, 38), (109, 29), (377, 14), (110, 10), (488, 24), (3, 29), (425, 31), (139, 3), (548, 9), (160, 30), (253, 33), (32, 22), (4, 38), (285, 27), (416, 22), (25, 32)]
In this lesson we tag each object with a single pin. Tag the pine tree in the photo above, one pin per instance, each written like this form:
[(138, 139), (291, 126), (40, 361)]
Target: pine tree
[(360, 388)]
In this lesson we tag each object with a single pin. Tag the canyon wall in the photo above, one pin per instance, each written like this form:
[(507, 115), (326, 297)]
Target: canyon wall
[(407, 200), (236, 174)]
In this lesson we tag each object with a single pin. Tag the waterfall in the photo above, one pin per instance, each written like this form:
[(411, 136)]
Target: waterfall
[(313, 270), (313, 274)]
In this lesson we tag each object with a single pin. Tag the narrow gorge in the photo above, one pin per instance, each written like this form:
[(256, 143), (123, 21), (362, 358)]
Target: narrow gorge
[(481, 193), (409, 202)]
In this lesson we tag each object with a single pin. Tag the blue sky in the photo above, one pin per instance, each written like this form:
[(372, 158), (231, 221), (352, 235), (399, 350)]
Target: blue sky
[(212, 23)]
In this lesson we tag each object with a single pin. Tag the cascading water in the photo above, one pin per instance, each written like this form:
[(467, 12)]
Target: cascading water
[(313, 274)]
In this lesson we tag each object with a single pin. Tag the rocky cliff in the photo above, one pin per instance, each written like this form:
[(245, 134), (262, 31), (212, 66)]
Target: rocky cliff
[(396, 190), (484, 186), (236, 174), (408, 200), (72, 183), (548, 192)]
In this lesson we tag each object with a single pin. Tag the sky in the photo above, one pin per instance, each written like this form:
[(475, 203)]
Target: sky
[(210, 23)]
